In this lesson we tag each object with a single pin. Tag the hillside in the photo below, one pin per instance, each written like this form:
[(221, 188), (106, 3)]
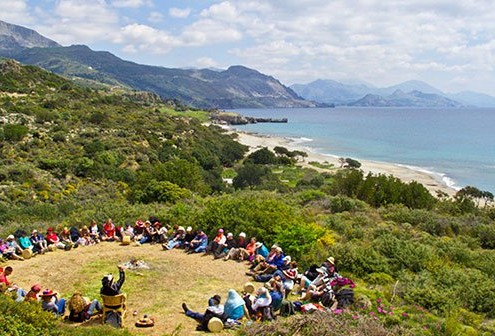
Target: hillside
[(406, 99), (71, 154), (236, 87)]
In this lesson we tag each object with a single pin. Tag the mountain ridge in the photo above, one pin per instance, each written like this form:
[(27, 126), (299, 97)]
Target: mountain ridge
[(236, 87), (331, 91)]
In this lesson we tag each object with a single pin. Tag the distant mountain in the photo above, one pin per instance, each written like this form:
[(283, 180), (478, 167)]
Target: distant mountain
[(412, 85), (236, 87), (413, 92), (474, 98), (13, 38), (331, 92), (404, 99)]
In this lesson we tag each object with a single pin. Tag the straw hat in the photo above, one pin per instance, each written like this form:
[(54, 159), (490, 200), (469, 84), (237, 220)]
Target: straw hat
[(215, 325), (331, 260), (249, 288)]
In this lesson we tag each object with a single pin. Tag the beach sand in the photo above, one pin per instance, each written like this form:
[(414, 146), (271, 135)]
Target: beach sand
[(431, 181)]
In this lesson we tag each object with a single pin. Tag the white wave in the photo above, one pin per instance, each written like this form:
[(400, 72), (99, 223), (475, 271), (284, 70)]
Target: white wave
[(300, 140), (448, 181)]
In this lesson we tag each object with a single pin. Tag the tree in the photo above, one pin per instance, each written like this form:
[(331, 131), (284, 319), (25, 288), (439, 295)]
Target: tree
[(281, 151), (250, 175), (351, 163), (262, 156)]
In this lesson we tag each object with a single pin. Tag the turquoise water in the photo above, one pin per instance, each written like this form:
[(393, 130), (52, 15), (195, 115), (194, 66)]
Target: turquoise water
[(456, 144)]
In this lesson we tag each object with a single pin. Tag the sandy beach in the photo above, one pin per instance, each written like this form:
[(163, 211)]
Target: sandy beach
[(431, 181)]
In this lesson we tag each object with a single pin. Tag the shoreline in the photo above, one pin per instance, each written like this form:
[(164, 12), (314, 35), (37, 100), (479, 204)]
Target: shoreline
[(432, 181)]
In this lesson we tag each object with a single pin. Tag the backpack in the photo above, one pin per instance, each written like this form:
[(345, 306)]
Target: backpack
[(287, 308), (345, 298)]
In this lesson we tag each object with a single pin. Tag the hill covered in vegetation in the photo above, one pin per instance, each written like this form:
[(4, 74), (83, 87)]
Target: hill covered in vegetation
[(71, 154)]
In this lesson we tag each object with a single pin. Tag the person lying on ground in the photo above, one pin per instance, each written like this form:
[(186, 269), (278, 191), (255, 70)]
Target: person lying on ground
[(214, 309)]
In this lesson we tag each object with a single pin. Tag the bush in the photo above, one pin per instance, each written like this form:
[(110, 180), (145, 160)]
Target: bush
[(14, 132)]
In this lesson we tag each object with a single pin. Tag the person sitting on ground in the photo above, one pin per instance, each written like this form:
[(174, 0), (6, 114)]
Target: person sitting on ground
[(263, 300), (190, 234), (81, 309), (235, 307), (216, 242), (177, 240), (215, 309), (39, 243), (66, 239), (94, 232), (277, 291), (50, 302), (265, 270), (111, 288), (8, 252), (148, 233), (6, 286), (289, 276), (235, 252), (224, 248), (109, 231), (308, 276), (12, 244), (53, 239), (160, 233), (249, 296), (26, 243), (248, 252), (76, 238), (128, 231), (85, 234), (32, 295), (199, 243), (138, 228)]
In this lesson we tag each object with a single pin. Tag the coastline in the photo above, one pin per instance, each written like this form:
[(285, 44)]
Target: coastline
[(430, 180)]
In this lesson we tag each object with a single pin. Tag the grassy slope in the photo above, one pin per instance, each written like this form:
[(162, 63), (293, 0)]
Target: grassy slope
[(175, 277)]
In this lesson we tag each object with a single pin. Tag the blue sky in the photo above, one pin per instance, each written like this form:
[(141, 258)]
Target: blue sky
[(449, 44)]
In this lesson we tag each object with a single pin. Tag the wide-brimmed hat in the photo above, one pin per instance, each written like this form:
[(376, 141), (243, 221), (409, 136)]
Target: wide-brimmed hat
[(181, 228), (288, 259), (10, 237), (242, 234), (230, 234), (249, 287), (48, 293), (331, 260), (258, 244), (189, 229)]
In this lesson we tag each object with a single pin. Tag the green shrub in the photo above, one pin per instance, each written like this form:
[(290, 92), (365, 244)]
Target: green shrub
[(14, 132)]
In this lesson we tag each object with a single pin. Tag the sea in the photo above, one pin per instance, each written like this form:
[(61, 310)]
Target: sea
[(454, 144)]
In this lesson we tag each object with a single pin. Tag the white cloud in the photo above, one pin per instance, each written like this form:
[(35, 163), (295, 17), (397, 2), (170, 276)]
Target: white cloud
[(15, 12), (206, 62), (208, 32), (131, 3), (179, 13), (155, 17), (142, 38)]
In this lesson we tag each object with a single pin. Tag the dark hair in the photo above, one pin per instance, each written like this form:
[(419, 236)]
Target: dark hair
[(217, 298)]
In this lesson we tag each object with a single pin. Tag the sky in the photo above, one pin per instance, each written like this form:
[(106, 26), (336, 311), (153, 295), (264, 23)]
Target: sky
[(448, 44)]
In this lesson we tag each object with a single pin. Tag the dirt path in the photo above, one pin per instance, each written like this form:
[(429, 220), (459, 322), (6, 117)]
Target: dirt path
[(174, 277)]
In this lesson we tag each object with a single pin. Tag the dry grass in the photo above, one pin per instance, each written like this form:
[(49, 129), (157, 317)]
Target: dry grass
[(174, 277)]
